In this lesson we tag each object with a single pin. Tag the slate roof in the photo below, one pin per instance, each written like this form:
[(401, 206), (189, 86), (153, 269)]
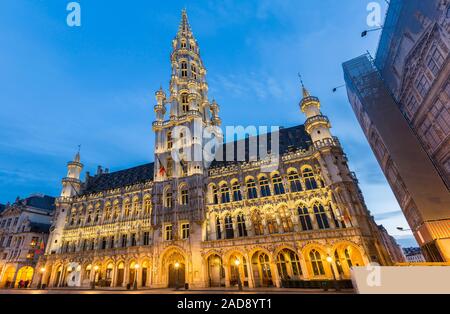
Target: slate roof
[(2, 207), (290, 139), (44, 202), (113, 180), (39, 227)]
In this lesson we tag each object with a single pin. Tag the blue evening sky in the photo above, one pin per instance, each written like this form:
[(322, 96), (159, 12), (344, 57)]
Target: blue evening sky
[(94, 85)]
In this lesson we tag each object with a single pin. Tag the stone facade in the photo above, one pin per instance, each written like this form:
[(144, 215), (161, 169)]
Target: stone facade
[(232, 221)]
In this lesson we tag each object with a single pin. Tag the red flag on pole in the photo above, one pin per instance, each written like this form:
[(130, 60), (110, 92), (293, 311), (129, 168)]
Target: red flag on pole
[(162, 170)]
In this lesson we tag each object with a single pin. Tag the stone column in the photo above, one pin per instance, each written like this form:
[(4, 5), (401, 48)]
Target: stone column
[(251, 282), (226, 266), (303, 265)]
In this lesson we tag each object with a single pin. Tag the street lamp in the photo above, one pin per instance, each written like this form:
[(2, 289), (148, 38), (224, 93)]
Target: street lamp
[(330, 261), (42, 270), (136, 267), (237, 262), (177, 266), (364, 33)]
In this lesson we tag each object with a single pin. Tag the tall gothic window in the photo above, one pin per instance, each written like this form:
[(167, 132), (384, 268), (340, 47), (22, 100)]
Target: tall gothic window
[(321, 216), (278, 186), (310, 181), (184, 196), (251, 189), (184, 69), (185, 102), (169, 140), (236, 188), (127, 208), (147, 206), (136, 207), (241, 225), (168, 199), (194, 71), (294, 181), (435, 60), (218, 229), (304, 218), (229, 233), (108, 212), (169, 169), (264, 186), (224, 193), (214, 194), (271, 223), (316, 263)]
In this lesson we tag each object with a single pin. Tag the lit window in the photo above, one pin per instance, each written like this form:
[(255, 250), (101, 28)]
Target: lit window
[(286, 220), (185, 102), (184, 196), (168, 236), (304, 218), (127, 207), (310, 181), (251, 189), (184, 69), (317, 263), (168, 199), (236, 188), (225, 193), (264, 186), (278, 184), (185, 231), (242, 229), (321, 217), (294, 181)]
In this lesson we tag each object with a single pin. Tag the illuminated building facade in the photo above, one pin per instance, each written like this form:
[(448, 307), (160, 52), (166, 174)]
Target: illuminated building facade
[(172, 222)]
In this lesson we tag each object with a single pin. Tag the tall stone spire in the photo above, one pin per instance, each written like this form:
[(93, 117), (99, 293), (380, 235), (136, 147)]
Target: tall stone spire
[(188, 104)]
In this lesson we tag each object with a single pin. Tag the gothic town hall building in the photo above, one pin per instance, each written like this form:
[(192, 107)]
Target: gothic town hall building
[(167, 223)]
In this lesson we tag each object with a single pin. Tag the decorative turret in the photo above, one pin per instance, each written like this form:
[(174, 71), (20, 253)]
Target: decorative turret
[(71, 183), (317, 125)]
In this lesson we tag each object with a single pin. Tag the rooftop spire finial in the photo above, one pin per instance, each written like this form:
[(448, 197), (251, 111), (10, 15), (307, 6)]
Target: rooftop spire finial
[(77, 156), (304, 90), (184, 24)]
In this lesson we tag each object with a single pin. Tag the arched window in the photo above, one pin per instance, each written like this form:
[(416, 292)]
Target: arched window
[(214, 195), (286, 219), (108, 211), (304, 218), (338, 263), (294, 181), (136, 207), (126, 208), (183, 44), (116, 210), (316, 263), (194, 71), (184, 196), (348, 258), (288, 264), (184, 69), (169, 170), (242, 229), (278, 186), (169, 140), (310, 181), (236, 188), (229, 233), (147, 206), (184, 102), (224, 193), (257, 222), (321, 216), (218, 228), (168, 198), (264, 186), (251, 189)]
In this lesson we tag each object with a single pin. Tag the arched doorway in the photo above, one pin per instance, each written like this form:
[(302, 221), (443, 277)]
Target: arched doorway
[(145, 273), (120, 274), (345, 257), (56, 282), (176, 270), (238, 267), (24, 275), (8, 277), (262, 273), (216, 272), (288, 265)]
